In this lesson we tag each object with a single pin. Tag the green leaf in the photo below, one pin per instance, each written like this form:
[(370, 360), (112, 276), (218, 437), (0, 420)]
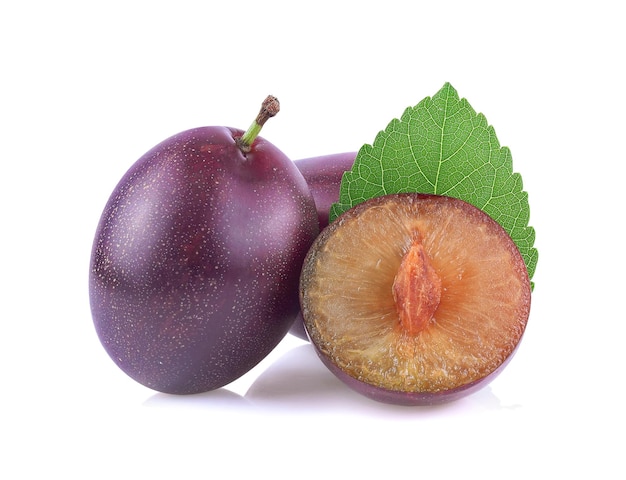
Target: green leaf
[(442, 146)]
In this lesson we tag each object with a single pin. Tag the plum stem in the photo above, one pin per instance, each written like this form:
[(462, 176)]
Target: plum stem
[(269, 108)]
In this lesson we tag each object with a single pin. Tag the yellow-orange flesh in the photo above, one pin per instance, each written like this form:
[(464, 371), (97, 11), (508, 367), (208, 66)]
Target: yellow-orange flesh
[(415, 293)]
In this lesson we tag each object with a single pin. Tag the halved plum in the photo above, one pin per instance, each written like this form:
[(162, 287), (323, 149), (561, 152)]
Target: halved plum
[(415, 299)]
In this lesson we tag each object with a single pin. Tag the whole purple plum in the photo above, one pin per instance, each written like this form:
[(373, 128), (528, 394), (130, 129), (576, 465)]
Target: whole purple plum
[(196, 259), (323, 175)]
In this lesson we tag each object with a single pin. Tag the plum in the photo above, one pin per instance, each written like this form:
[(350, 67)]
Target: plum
[(323, 175), (196, 258), (415, 299)]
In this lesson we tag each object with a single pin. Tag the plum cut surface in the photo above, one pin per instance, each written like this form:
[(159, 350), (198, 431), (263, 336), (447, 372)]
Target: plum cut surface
[(356, 287)]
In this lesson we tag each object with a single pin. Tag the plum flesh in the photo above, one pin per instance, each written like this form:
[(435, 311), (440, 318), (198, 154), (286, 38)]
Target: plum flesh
[(415, 299), (195, 263), (323, 176)]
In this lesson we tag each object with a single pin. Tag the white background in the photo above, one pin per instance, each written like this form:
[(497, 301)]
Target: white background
[(86, 88)]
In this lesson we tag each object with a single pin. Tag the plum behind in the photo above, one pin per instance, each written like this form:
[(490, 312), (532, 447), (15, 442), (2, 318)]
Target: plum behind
[(323, 176), (195, 263)]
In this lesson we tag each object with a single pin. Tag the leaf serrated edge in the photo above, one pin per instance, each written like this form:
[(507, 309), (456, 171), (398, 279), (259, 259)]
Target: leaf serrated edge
[(528, 251)]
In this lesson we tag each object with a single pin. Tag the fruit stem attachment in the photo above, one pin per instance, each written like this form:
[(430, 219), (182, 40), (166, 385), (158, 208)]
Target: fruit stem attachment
[(269, 108)]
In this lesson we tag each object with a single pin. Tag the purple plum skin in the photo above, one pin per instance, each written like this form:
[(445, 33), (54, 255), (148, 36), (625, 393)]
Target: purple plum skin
[(323, 176), (196, 260)]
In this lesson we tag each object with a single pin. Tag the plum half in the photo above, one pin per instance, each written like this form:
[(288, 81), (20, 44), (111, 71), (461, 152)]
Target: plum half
[(415, 299), (196, 259)]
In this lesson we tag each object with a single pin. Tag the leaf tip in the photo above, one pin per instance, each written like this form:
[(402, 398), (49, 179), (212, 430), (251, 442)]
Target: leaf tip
[(447, 87)]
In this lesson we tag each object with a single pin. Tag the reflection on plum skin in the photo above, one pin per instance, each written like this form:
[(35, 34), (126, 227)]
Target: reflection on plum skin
[(299, 381), (221, 398)]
